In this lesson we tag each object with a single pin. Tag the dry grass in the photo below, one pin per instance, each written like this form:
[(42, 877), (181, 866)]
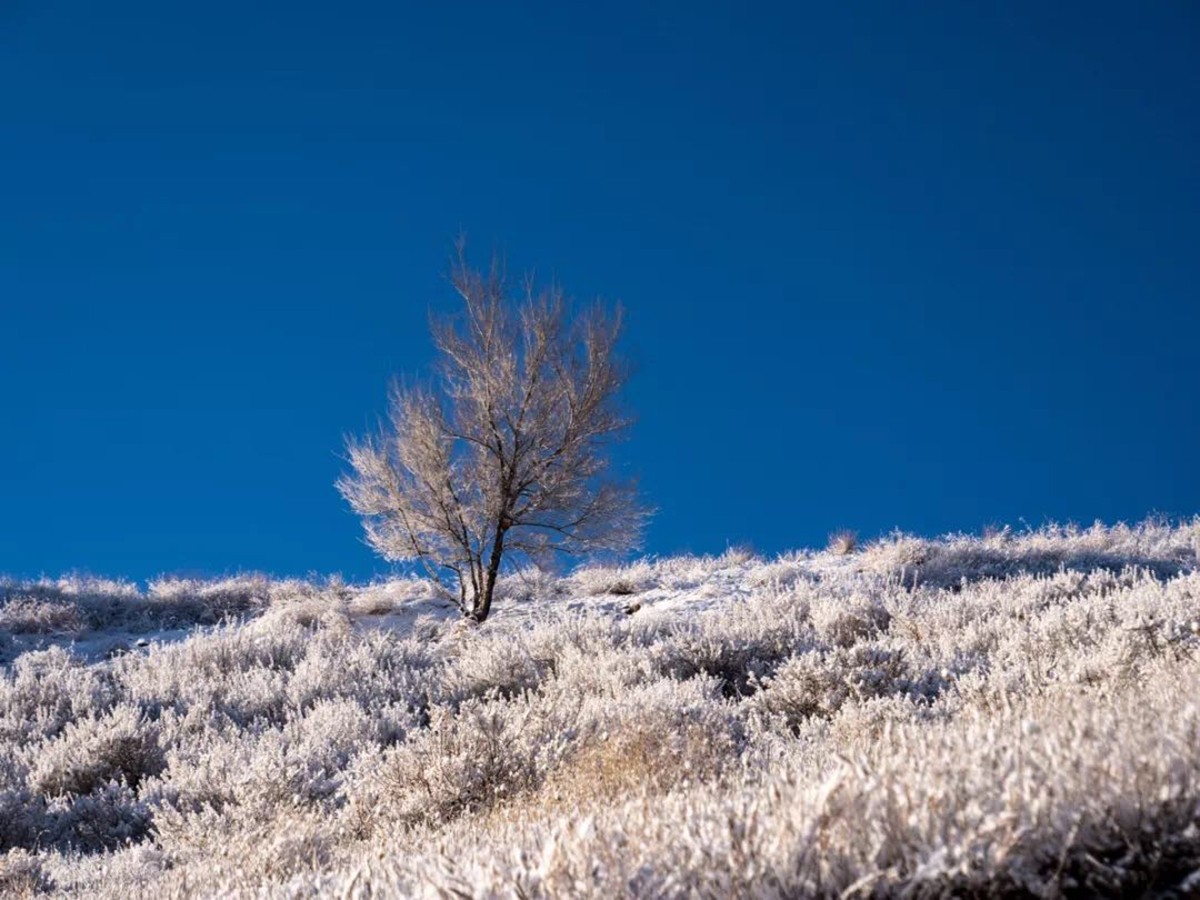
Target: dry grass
[(843, 542)]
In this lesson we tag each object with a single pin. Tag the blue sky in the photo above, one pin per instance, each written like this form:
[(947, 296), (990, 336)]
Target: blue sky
[(927, 267)]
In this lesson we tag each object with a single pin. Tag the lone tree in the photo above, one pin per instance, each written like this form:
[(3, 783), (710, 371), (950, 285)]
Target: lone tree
[(502, 454)]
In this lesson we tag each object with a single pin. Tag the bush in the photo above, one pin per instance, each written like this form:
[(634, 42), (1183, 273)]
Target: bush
[(819, 684), (814, 725), (26, 615), (108, 817), (21, 875), (465, 760), (843, 542), (120, 746)]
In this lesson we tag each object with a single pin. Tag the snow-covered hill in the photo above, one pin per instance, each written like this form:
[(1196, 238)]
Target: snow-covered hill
[(1018, 713)]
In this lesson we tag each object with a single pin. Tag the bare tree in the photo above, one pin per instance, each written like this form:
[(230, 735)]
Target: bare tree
[(503, 455)]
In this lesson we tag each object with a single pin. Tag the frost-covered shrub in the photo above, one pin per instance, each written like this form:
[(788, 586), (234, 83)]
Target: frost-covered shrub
[(679, 573), (691, 653), (619, 580), (309, 613), (242, 781), (846, 620), (47, 689), (819, 684), (218, 846), (240, 672), (118, 746), (843, 542), (21, 875), (378, 670), (131, 871), (373, 603), (529, 585), (1027, 800), (76, 606), (69, 605), (107, 817), (738, 644), (79, 604), (560, 747), (505, 667), (1155, 546), (27, 615), (466, 759), (21, 817), (778, 575), (208, 602), (1014, 715), (664, 737)]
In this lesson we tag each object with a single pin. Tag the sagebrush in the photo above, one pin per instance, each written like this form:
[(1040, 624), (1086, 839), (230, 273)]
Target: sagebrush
[(1010, 715)]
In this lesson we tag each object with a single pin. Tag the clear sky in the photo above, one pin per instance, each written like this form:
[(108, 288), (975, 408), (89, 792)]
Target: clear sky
[(927, 266)]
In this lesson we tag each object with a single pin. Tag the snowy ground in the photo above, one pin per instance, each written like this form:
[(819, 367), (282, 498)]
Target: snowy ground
[(1017, 714)]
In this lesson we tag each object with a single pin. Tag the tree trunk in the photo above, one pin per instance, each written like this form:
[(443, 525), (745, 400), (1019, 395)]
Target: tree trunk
[(483, 603)]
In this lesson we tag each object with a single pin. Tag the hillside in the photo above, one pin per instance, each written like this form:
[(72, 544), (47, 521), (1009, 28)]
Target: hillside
[(1017, 714)]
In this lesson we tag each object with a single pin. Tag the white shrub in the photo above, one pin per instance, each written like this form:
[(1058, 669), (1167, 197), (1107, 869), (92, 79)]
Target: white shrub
[(1014, 714), (120, 746), (21, 875)]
